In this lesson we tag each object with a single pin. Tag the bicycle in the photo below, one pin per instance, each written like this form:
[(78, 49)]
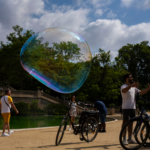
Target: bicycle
[(87, 127), (139, 126)]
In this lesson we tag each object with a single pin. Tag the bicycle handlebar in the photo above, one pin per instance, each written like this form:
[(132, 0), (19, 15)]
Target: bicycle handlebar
[(82, 103)]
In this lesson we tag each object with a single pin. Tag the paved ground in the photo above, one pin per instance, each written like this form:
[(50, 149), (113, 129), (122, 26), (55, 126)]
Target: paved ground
[(45, 139)]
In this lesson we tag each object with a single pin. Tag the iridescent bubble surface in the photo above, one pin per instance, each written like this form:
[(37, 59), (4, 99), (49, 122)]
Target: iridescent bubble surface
[(58, 58)]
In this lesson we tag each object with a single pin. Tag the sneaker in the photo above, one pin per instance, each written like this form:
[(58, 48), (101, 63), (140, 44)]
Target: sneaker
[(132, 142), (10, 132), (5, 134), (125, 142), (69, 129)]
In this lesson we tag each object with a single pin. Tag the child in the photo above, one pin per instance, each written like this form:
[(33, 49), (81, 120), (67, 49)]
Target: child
[(73, 111)]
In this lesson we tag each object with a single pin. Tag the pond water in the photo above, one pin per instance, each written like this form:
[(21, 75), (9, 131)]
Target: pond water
[(20, 122)]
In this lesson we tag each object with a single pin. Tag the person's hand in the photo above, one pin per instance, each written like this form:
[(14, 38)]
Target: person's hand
[(135, 84), (17, 112)]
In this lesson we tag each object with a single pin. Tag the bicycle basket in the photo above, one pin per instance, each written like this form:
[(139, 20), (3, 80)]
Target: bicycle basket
[(89, 113)]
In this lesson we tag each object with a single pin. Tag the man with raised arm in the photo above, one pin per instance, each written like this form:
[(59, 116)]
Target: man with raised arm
[(128, 92), (6, 103)]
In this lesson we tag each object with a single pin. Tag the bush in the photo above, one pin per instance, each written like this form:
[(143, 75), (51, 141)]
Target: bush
[(23, 108), (34, 106), (26, 109), (112, 105), (55, 109)]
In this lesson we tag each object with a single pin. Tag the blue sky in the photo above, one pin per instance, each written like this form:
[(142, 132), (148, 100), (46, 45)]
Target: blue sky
[(120, 9), (106, 24)]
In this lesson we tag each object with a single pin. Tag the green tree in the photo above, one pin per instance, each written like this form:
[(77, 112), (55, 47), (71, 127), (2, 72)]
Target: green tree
[(34, 106), (81, 97), (11, 69), (63, 63), (136, 59), (105, 78)]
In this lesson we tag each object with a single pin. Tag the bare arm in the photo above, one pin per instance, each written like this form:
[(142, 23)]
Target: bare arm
[(126, 89), (145, 90), (14, 107), (132, 85)]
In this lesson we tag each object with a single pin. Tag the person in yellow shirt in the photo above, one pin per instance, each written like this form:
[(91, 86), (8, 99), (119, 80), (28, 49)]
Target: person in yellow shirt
[(6, 103)]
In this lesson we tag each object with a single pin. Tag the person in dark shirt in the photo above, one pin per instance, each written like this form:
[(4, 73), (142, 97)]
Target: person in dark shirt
[(99, 105)]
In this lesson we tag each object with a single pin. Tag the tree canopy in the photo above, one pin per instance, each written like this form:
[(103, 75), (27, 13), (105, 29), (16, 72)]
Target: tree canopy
[(105, 77)]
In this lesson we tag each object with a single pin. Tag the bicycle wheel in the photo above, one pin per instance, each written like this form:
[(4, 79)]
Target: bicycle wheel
[(143, 134), (89, 129), (133, 127), (60, 132)]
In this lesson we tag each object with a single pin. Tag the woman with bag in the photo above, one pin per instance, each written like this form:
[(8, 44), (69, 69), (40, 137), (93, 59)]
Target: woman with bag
[(6, 103)]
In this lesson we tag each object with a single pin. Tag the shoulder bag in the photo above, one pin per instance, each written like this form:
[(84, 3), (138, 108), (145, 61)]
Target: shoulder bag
[(11, 109)]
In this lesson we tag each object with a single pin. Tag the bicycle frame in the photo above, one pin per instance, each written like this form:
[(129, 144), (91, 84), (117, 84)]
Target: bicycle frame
[(68, 114), (138, 125), (81, 127)]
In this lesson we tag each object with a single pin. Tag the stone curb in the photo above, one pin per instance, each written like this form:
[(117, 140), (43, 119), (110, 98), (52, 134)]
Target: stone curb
[(25, 129)]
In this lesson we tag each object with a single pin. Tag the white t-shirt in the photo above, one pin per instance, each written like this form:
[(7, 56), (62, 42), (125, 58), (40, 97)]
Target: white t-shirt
[(4, 106), (128, 98)]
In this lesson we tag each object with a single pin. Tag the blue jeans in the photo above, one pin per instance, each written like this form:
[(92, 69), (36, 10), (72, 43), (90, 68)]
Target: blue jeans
[(102, 117)]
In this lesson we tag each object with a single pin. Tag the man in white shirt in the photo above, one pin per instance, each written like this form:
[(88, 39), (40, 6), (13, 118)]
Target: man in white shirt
[(6, 103), (128, 92)]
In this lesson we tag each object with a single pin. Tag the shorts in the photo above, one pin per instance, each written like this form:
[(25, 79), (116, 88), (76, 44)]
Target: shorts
[(73, 114), (128, 114), (102, 117), (6, 117)]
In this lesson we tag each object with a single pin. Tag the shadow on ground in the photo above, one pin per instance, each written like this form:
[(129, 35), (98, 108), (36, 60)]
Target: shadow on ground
[(77, 148), (83, 147)]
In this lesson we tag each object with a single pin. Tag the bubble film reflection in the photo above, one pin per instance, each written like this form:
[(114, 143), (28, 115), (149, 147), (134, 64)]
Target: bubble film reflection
[(58, 58)]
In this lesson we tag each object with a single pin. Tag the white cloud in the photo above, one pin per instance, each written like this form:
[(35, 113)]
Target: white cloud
[(72, 19), (79, 2), (142, 4), (145, 4), (102, 33), (112, 34), (99, 12), (94, 3), (111, 15), (99, 6), (16, 12), (99, 3), (127, 3)]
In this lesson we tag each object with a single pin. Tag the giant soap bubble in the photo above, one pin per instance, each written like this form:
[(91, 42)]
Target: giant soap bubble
[(58, 58)]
